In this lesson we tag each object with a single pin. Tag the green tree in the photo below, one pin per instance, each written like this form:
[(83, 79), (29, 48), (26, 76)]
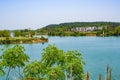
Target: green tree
[(55, 73), (34, 70), (70, 62), (31, 32), (12, 58), (17, 33), (48, 67), (51, 55), (56, 64), (74, 65), (4, 33), (117, 31)]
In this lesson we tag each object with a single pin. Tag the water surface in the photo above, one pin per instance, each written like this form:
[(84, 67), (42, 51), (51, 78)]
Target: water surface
[(97, 52)]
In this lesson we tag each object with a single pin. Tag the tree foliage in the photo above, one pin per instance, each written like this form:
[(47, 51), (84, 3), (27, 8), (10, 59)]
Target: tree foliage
[(2, 73), (74, 60), (17, 33), (4, 33), (13, 57), (117, 31), (24, 33), (54, 57), (51, 55), (34, 70), (56, 64), (65, 29), (55, 73)]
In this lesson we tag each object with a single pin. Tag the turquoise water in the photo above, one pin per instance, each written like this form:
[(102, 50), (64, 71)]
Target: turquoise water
[(97, 52)]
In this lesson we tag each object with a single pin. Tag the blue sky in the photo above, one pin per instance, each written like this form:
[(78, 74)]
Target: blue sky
[(21, 14)]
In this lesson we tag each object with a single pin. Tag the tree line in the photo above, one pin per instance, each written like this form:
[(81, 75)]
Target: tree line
[(17, 33), (4, 33), (24, 33), (64, 29)]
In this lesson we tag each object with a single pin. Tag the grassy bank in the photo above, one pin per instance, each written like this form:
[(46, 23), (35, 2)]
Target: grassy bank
[(19, 40)]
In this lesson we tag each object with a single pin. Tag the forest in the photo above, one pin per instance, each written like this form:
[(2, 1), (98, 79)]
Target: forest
[(73, 29)]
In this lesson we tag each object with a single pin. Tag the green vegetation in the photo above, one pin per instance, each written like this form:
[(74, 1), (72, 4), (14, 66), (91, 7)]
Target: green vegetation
[(17, 40), (13, 58), (80, 29), (24, 33), (70, 29), (34, 70), (2, 73), (4, 33), (117, 30), (55, 64)]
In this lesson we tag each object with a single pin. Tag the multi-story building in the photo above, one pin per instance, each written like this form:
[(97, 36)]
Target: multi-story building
[(86, 29)]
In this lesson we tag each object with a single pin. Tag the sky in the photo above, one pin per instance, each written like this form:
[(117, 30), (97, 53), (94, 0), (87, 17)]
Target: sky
[(34, 14)]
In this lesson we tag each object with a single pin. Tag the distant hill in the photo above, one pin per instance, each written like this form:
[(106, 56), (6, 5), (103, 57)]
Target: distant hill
[(72, 27), (65, 26), (83, 24)]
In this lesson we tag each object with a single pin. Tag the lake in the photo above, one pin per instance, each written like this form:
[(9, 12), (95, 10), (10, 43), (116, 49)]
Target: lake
[(97, 52)]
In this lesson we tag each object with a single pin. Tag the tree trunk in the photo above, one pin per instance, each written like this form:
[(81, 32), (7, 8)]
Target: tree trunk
[(7, 77), (21, 77), (71, 72), (66, 76)]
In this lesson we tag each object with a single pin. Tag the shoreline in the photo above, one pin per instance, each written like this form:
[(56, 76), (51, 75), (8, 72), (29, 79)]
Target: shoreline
[(21, 40)]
